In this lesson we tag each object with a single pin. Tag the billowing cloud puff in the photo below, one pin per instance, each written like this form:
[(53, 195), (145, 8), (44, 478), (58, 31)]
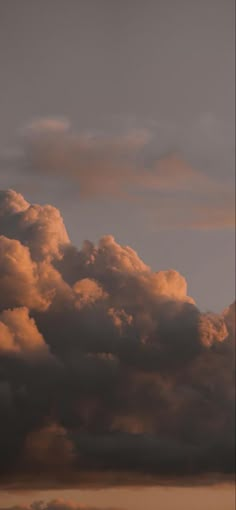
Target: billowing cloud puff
[(19, 276), (108, 370), (11, 203), (41, 228), (87, 292), (212, 328), (19, 333)]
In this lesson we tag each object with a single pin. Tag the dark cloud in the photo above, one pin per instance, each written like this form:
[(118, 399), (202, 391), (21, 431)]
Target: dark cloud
[(109, 373)]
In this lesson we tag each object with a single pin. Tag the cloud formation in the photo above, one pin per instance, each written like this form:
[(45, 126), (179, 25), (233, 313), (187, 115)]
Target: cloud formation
[(57, 504), (109, 373), (102, 164), (106, 164), (136, 166)]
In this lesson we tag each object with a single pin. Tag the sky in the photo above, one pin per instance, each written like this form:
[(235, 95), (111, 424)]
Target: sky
[(118, 122), (163, 70)]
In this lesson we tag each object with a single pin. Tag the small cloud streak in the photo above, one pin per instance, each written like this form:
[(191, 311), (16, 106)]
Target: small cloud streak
[(57, 504), (192, 212)]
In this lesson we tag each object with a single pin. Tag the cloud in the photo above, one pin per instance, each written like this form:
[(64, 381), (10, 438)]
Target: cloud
[(19, 333), (106, 164), (40, 228), (57, 504), (49, 448), (102, 164), (192, 211), (175, 189), (109, 373), (19, 276)]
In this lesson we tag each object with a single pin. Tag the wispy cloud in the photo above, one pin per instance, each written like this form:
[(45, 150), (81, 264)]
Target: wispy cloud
[(201, 211), (57, 504), (124, 167)]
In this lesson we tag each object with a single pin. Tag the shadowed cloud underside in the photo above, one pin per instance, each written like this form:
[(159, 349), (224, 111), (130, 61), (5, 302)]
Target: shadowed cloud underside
[(109, 373)]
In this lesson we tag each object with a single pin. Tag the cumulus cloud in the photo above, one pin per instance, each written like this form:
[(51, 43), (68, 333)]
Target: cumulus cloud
[(40, 228), (109, 372), (19, 333), (212, 328)]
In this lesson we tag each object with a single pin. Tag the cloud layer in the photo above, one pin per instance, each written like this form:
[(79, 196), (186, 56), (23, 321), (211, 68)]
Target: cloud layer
[(174, 189), (54, 505), (109, 373)]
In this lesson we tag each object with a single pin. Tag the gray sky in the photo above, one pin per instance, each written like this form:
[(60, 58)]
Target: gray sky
[(163, 67)]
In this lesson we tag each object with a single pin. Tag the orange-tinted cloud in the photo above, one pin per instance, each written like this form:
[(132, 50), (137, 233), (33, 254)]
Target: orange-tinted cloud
[(57, 504), (105, 365), (19, 333), (172, 190)]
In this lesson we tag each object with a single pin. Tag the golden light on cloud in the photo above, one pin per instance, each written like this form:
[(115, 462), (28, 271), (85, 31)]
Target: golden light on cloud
[(107, 362)]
